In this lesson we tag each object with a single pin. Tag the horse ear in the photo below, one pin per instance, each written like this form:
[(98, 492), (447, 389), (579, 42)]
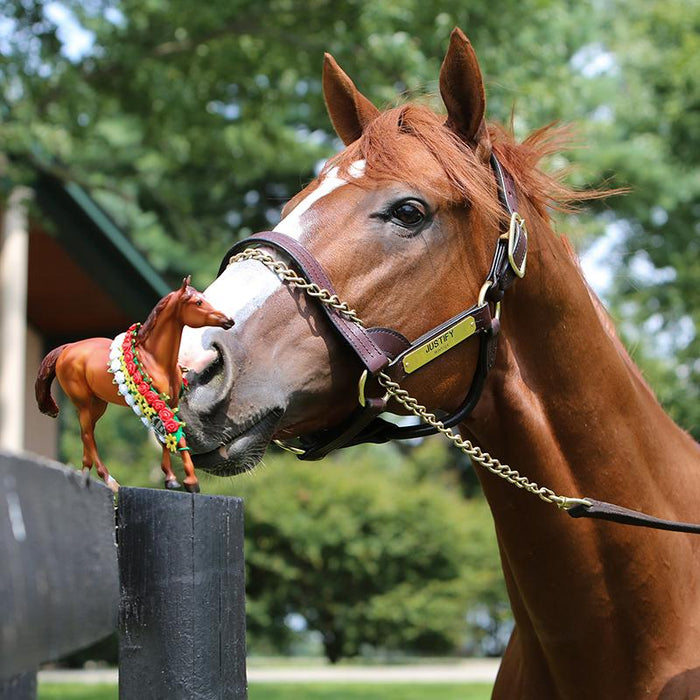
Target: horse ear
[(462, 91), (350, 111), (185, 282)]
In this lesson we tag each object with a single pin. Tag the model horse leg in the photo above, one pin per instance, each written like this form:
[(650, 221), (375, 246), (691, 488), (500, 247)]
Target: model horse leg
[(88, 415), (191, 482), (171, 481)]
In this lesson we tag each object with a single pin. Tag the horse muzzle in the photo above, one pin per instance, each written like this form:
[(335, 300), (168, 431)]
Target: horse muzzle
[(223, 441)]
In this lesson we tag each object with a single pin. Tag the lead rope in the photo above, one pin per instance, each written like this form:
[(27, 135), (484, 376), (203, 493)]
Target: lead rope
[(394, 390)]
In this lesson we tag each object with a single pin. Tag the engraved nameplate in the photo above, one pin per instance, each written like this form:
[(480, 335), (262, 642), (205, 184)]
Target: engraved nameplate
[(439, 344)]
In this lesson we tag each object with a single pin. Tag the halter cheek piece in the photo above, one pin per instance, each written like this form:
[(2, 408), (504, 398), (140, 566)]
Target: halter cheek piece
[(384, 349)]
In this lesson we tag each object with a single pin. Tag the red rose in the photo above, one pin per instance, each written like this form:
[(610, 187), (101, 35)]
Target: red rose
[(151, 396), (171, 426), (143, 388), (128, 355), (165, 415), (159, 405), (131, 367), (185, 383)]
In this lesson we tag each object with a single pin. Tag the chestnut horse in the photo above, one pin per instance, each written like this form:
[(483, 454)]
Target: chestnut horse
[(405, 221), (87, 372)]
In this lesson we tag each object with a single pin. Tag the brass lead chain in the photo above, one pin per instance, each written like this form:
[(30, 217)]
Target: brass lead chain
[(393, 389), (474, 452)]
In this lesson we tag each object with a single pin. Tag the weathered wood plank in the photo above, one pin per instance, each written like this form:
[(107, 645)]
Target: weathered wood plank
[(182, 616), (58, 562), (21, 687)]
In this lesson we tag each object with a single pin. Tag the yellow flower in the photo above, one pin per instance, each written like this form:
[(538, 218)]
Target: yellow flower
[(171, 442)]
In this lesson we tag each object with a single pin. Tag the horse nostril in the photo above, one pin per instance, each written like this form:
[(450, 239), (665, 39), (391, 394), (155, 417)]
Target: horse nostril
[(213, 369)]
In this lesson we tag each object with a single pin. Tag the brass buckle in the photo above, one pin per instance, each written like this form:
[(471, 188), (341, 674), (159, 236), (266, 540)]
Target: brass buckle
[(482, 299), (361, 390), (516, 220), (288, 448)]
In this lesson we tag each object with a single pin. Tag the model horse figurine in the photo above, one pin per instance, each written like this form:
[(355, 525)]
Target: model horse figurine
[(142, 363)]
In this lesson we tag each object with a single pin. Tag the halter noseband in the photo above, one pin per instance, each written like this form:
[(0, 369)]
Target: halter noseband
[(383, 349)]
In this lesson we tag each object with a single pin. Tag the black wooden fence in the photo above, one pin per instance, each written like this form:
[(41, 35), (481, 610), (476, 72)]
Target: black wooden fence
[(169, 577)]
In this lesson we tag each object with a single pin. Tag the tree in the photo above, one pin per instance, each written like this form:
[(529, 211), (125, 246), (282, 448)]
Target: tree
[(652, 142), (365, 555), (193, 125)]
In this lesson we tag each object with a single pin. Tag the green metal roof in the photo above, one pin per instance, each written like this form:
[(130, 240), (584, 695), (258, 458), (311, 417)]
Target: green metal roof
[(96, 243)]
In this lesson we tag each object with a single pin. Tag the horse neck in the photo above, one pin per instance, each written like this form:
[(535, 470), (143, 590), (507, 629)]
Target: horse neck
[(565, 406), (159, 346)]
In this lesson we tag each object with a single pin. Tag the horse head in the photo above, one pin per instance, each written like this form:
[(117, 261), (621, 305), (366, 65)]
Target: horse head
[(195, 311), (404, 222)]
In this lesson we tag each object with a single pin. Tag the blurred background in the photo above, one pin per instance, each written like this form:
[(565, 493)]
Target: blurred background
[(140, 138)]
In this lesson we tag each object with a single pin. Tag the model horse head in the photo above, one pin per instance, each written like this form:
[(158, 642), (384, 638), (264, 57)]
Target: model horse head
[(195, 311), (404, 221)]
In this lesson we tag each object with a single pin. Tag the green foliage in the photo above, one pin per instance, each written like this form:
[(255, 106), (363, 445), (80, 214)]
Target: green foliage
[(657, 130), (193, 125), (367, 556)]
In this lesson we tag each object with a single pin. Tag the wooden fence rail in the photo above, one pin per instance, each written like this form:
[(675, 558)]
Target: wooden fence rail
[(174, 583)]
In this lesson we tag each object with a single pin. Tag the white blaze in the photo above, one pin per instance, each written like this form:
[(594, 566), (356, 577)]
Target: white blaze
[(244, 287)]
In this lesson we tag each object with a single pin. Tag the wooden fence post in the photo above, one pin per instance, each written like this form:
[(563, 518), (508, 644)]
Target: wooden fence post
[(58, 567), (182, 611), (19, 687)]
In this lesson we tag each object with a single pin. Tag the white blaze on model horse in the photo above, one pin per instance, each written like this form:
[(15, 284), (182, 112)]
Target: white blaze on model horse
[(420, 224)]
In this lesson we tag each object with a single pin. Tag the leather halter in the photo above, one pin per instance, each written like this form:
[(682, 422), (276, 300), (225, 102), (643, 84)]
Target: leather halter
[(384, 349)]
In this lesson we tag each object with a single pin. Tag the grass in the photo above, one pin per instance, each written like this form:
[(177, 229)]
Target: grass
[(300, 691), (77, 691), (370, 691)]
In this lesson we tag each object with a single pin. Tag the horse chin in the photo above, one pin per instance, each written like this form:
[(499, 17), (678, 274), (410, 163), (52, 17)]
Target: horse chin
[(244, 450)]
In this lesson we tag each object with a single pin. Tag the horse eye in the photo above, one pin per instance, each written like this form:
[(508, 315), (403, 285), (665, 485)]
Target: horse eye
[(198, 302), (408, 213)]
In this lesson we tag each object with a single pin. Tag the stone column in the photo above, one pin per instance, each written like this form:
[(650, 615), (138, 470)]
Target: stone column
[(13, 319)]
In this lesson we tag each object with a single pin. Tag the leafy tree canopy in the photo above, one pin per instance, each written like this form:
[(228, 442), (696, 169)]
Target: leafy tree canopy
[(367, 556), (192, 124)]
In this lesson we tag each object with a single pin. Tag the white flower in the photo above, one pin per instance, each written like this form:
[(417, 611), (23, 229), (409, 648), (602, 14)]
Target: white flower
[(123, 389), (137, 409), (119, 376), (129, 399), (115, 365)]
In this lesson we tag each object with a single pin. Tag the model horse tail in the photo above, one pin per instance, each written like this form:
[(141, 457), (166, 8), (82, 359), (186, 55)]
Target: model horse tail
[(44, 379)]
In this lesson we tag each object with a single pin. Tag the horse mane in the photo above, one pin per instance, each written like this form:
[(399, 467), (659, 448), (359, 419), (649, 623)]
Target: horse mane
[(148, 325), (470, 180)]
